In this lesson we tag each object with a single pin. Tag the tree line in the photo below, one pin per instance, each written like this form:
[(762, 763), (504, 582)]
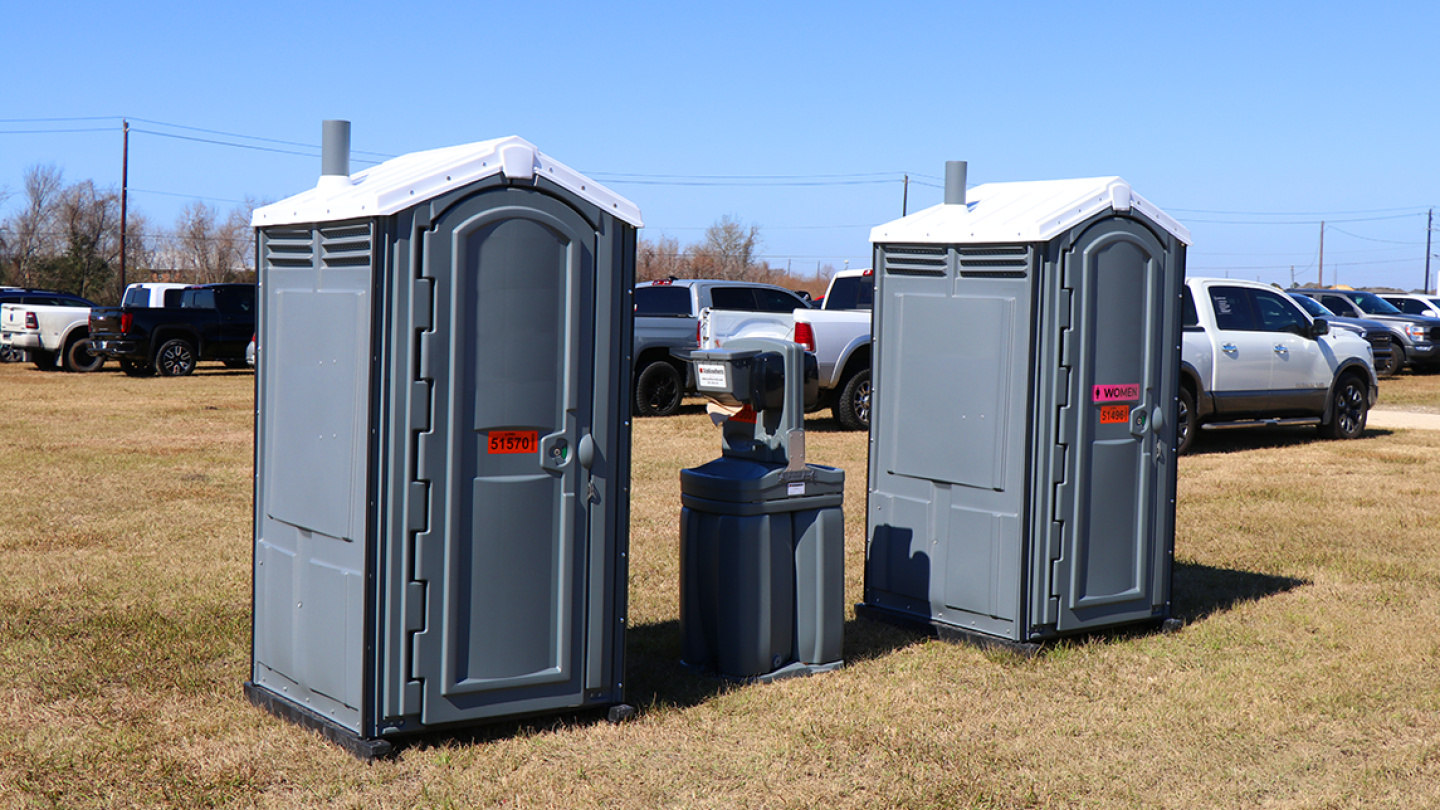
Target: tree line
[(729, 250), (66, 236)]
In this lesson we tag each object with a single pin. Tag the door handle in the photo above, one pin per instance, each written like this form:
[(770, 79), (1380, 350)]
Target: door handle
[(1280, 349), (1228, 348), (585, 454)]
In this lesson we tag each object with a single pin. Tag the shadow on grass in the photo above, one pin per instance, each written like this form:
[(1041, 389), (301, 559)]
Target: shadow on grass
[(1213, 442), (1201, 591)]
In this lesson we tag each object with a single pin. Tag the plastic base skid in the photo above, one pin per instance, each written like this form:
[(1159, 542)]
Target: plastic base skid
[(945, 632), (361, 748)]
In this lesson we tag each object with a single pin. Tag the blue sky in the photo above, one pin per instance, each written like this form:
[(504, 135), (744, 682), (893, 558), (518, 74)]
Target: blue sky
[(1249, 122)]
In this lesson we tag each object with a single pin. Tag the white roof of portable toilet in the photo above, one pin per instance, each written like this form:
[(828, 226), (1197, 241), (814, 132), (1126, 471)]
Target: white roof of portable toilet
[(408, 180), (1034, 211)]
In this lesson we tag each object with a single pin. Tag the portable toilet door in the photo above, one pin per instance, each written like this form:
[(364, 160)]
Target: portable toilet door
[(1022, 470), (442, 444)]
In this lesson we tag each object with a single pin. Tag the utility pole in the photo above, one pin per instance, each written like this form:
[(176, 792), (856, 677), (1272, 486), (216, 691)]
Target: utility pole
[(905, 199), (124, 197), (1429, 227), (1322, 253)]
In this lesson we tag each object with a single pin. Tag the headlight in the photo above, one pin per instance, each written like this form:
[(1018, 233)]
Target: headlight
[(1415, 331)]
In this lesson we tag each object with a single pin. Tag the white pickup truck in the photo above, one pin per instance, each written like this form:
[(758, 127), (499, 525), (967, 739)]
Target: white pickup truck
[(839, 335), (51, 327), (1251, 357)]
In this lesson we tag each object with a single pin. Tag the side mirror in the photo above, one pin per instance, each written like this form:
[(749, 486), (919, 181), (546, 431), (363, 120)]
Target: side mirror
[(1318, 328)]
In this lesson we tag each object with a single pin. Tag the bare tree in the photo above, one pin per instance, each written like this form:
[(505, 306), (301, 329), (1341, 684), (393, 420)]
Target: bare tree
[(207, 250), (89, 224), (31, 233), (662, 258), (729, 251)]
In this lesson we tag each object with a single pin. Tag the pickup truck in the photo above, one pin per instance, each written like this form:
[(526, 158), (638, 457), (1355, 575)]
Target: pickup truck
[(212, 322), (53, 327), (839, 335), (667, 323), (1251, 357)]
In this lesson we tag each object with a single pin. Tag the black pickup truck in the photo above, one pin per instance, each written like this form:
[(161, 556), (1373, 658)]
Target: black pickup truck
[(212, 322)]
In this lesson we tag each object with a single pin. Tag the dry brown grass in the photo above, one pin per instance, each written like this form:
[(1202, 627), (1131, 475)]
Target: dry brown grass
[(1309, 575)]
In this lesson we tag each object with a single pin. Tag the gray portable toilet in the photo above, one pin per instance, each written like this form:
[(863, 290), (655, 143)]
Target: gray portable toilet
[(1022, 465), (442, 443)]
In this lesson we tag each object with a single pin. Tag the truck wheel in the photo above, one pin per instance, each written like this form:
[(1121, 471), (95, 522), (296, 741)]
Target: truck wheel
[(79, 359), (135, 368), (43, 360), (852, 408), (1397, 359), (658, 390), (1185, 426), (1391, 365), (176, 358), (10, 354), (1352, 408)]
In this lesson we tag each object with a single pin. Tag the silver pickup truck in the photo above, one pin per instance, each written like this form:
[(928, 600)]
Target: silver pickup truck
[(667, 320)]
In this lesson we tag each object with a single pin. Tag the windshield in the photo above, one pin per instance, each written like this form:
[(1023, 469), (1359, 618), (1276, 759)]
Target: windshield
[(1310, 305), (1373, 304)]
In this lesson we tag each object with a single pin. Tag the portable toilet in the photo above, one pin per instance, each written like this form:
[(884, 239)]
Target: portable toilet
[(1022, 464), (442, 443)]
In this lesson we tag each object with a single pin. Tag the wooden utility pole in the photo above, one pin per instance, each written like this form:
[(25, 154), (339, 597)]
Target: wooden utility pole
[(1322, 253), (124, 199), (1429, 227)]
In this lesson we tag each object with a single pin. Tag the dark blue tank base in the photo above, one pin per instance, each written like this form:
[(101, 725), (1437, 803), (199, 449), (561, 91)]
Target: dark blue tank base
[(945, 632), (359, 747), (795, 669)]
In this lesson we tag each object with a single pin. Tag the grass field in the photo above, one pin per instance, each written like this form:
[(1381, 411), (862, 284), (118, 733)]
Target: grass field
[(1306, 676)]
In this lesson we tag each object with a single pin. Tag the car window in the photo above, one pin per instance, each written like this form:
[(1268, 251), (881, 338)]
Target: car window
[(1372, 304), (173, 296), (732, 298), (666, 301), (852, 292), (198, 299), (236, 299), (1277, 314), (778, 301), (1233, 312), (1409, 306), (1188, 315), (1310, 305), (1340, 305)]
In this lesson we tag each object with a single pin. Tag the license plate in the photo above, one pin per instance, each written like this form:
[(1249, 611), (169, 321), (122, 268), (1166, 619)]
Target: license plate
[(710, 375), (514, 441)]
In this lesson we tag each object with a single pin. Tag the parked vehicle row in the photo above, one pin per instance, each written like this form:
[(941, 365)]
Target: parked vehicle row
[(1415, 339), (208, 322)]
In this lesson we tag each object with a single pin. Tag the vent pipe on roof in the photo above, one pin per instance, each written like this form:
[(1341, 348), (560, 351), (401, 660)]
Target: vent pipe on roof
[(954, 182), (335, 153)]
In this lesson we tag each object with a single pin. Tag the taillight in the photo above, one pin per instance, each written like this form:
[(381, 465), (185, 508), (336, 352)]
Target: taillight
[(805, 335), (126, 321), (31, 322), (697, 335)]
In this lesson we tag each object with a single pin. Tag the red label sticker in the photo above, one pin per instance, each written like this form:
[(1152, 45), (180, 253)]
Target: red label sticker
[(514, 441), (1116, 393), (1114, 414)]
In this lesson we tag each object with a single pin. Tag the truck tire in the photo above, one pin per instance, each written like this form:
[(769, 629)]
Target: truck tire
[(1185, 422), (79, 359), (1351, 409), (176, 358), (1391, 365), (43, 360), (852, 407), (1397, 359), (658, 390), (135, 368)]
